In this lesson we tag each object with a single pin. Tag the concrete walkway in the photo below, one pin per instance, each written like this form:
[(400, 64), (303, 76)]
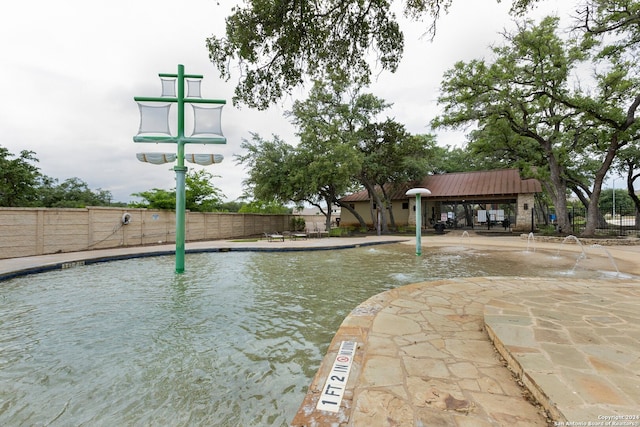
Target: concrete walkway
[(10, 267), (490, 351)]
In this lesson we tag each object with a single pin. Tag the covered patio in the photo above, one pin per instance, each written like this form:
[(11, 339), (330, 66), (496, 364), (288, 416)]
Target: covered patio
[(494, 200)]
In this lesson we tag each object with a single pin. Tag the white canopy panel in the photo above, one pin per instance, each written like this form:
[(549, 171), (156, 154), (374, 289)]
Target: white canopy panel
[(168, 88), (204, 159), (156, 158), (193, 88), (207, 120), (154, 119)]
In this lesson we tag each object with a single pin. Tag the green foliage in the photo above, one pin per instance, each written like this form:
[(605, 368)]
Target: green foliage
[(265, 207), (297, 224), (22, 184), (19, 179), (338, 232), (531, 112), (200, 195), (342, 147), (407, 229), (520, 105), (391, 155), (277, 44), (271, 165), (156, 198), (612, 27), (623, 203), (548, 230), (72, 193), (233, 206), (326, 157)]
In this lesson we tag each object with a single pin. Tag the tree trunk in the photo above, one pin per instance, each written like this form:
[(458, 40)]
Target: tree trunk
[(378, 215), (631, 178), (593, 213), (372, 213), (375, 197), (363, 223), (389, 208), (584, 195), (327, 215), (540, 212), (384, 226), (632, 193), (468, 215), (559, 189)]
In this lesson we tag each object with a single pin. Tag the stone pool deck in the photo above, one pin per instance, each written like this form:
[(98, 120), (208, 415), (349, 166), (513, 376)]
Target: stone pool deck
[(426, 357), (488, 351), (491, 351)]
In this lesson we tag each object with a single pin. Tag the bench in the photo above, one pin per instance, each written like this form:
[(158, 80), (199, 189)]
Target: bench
[(274, 236)]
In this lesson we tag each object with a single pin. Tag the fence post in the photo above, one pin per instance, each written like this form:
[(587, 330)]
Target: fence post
[(620, 223), (532, 219)]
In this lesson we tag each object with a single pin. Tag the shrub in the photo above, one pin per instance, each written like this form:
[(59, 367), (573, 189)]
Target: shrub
[(335, 232), (298, 223), (548, 230)]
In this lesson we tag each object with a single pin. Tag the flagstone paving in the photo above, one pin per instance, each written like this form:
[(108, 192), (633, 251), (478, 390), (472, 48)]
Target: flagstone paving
[(566, 348), (581, 355)]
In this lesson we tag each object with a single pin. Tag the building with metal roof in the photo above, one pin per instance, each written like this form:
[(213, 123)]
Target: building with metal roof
[(498, 198)]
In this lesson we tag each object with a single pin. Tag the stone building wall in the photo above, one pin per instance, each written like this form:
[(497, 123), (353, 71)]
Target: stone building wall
[(524, 208)]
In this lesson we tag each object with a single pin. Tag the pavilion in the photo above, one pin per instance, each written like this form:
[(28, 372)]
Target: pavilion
[(497, 198)]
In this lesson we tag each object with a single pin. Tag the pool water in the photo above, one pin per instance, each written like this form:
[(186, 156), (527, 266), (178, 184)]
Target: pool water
[(234, 341)]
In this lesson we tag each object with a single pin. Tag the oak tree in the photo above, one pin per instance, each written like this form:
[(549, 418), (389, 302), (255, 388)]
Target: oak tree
[(276, 45)]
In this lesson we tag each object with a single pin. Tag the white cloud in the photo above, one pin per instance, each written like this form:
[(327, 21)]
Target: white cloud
[(70, 70)]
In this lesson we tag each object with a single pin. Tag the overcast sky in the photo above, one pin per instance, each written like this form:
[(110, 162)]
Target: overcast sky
[(70, 69)]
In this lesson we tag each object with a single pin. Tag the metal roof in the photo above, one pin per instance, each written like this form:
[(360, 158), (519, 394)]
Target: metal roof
[(506, 182)]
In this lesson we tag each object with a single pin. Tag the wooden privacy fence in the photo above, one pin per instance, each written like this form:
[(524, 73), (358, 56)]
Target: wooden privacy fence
[(40, 231)]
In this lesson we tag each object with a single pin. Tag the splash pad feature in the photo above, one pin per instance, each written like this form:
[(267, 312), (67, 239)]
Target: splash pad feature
[(574, 239), (154, 128), (531, 242), (586, 253), (606, 251), (418, 192), (197, 347), (427, 327)]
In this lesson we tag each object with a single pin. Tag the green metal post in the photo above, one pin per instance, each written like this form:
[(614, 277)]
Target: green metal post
[(181, 171), (418, 192), (181, 140), (418, 225)]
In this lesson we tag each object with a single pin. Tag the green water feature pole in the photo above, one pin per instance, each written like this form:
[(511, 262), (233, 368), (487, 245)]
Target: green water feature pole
[(418, 192), (181, 140)]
